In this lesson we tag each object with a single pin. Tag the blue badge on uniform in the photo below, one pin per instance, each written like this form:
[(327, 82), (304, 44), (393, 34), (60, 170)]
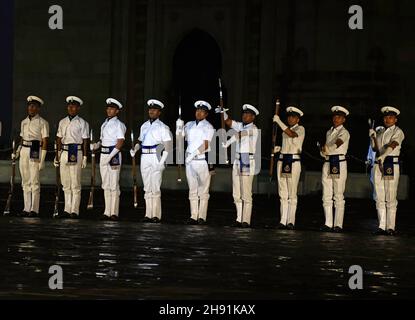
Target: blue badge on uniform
[(72, 154), (334, 161), (388, 168), (244, 164), (115, 161), (287, 165), (35, 150)]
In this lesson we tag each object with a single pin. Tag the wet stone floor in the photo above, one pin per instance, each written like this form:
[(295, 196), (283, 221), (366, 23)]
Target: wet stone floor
[(133, 260)]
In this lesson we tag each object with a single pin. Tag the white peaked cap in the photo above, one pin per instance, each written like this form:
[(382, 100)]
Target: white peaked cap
[(74, 98), (113, 101), (387, 109), (294, 109), (202, 104), (154, 102), (340, 109), (250, 107), (34, 98)]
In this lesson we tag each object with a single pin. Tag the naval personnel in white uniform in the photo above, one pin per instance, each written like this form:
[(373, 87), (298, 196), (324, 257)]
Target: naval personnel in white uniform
[(198, 135)]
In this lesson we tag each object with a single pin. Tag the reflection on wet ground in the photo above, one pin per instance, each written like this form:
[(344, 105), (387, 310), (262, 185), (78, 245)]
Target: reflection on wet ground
[(132, 260)]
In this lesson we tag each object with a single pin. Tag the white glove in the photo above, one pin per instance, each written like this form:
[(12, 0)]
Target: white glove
[(42, 160), (160, 166), (372, 133), (330, 148), (56, 163), (179, 126), (281, 124), (110, 156), (277, 149), (84, 162), (229, 142), (190, 157), (382, 157), (134, 151), (16, 155), (95, 146), (219, 110)]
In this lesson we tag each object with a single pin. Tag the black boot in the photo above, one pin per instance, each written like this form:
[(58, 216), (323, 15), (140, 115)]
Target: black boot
[(338, 230), (245, 225), (326, 229), (391, 232), (146, 220), (74, 216), (290, 226), (236, 224), (191, 221), (155, 220), (282, 226), (33, 214), (379, 232), (201, 221), (114, 218)]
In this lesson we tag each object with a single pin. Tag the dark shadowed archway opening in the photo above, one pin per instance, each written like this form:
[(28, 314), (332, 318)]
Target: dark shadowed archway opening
[(197, 65)]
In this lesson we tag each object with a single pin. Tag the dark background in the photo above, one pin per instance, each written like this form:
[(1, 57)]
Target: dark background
[(301, 51)]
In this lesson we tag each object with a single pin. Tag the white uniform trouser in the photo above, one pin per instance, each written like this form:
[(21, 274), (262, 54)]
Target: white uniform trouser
[(287, 190), (111, 184), (333, 189), (242, 192), (152, 181), (71, 182), (198, 179), (29, 171), (386, 202)]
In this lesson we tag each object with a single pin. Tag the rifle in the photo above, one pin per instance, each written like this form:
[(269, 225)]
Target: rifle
[(179, 149), (91, 192), (11, 189), (274, 141), (58, 184), (375, 141), (134, 174), (222, 118)]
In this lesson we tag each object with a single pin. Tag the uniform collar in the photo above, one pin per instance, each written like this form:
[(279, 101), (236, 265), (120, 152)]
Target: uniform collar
[(337, 128), (71, 118), (391, 127), (294, 126), (35, 117), (154, 121), (113, 118), (247, 125), (201, 121)]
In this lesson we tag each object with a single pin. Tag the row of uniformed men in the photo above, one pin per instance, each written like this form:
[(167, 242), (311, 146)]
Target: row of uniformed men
[(72, 140)]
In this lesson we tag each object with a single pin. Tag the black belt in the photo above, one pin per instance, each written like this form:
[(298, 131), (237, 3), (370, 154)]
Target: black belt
[(107, 150), (293, 154), (65, 147), (393, 157), (149, 149), (328, 160), (28, 144)]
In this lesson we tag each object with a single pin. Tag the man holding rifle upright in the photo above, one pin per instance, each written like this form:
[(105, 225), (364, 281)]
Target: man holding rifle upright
[(32, 151), (244, 165), (111, 141), (155, 141), (72, 145), (289, 165), (387, 144)]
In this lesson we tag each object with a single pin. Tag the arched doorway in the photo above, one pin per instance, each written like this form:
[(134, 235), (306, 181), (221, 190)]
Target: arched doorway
[(197, 65)]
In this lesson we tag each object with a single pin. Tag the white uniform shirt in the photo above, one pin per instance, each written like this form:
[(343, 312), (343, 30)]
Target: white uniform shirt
[(73, 131), (196, 134), (112, 130), (247, 137), (389, 135), (338, 133), (293, 145), (36, 128), (154, 133)]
